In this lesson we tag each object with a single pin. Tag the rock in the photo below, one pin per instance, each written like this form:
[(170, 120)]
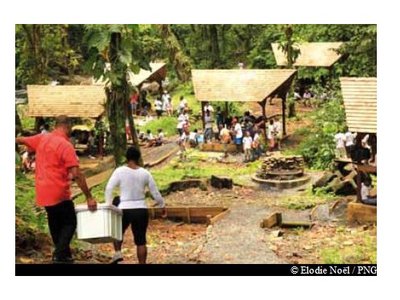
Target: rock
[(320, 213), (186, 184), (308, 247), (273, 248), (342, 187), (350, 176), (348, 243), (276, 233), (295, 254), (324, 180), (221, 182), (348, 167)]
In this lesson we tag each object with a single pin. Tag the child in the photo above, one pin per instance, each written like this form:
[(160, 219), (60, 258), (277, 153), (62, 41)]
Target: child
[(193, 136), (365, 192), (182, 144), (160, 138), (256, 144), (247, 141), (225, 137), (149, 138)]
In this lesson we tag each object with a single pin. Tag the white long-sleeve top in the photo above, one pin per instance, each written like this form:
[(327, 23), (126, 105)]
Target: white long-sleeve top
[(132, 184)]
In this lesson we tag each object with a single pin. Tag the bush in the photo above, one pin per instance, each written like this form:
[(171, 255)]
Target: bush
[(318, 149)]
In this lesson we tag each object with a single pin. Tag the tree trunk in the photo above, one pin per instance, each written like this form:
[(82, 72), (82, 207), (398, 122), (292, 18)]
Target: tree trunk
[(117, 102), (18, 123), (134, 133), (215, 57), (116, 118)]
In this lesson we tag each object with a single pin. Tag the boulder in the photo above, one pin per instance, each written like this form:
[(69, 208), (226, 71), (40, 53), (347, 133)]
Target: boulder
[(345, 187), (186, 184), (324, 180), (221, 182)]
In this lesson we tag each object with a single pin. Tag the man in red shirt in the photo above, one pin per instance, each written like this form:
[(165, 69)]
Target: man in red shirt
[(56, 166)]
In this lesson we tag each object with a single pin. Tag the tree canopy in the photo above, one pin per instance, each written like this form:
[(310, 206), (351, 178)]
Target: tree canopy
[(46, 52)]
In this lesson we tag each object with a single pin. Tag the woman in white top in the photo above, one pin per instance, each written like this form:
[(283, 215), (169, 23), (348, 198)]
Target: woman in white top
[(132, 181)]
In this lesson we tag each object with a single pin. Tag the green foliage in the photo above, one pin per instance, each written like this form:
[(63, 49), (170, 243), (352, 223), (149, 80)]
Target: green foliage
[(28, 123), (28, 214), (318, 148), (43, 53)]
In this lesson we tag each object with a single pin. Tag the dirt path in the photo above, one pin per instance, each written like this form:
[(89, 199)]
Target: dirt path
[(238, 239)]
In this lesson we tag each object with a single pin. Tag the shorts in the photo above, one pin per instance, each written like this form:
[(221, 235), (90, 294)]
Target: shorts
[(138, 219), (238, 141)]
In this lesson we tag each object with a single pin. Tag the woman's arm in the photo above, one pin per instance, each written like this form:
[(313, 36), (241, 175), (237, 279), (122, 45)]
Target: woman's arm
[(155, 192), (111, 184)]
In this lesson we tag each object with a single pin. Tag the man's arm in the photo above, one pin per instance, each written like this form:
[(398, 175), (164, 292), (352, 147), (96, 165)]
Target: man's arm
[(31, 142), (20, 140), (81, 181)]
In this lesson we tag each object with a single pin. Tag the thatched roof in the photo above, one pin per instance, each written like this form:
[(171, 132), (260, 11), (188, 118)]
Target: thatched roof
[(84, 101), (158, 72), (239, 85), (311, 54), (359, 96)]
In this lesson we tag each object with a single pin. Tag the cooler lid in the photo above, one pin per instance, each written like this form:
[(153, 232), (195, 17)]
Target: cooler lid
[(100, 206)]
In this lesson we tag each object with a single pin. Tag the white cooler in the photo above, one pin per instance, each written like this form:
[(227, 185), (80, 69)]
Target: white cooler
[(101, 226)]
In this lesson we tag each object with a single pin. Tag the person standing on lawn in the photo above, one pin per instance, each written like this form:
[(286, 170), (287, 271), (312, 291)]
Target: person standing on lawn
[(132, 181), (56, 165)]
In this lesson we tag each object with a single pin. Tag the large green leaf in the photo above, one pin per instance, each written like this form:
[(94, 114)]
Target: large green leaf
[(99, 40), (134, 68), (125, 57)]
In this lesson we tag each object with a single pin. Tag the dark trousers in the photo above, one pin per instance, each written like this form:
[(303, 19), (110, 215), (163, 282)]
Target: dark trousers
[(62, 224)]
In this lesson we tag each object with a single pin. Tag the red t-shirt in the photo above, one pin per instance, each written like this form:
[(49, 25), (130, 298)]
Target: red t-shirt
[(54, 156), (134, 98)]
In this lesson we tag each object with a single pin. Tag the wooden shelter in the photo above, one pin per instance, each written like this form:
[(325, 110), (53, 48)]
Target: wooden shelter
[(359, 96), (158, 73), (243, 86), (311, 54), (360, 103), (83, 101)]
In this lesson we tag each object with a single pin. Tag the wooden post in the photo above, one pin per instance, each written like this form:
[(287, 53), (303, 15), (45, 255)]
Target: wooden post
[(202, 114), (358, 179), (226, 111), (101, 139), (263, 103), (283, 114), (188, 219)]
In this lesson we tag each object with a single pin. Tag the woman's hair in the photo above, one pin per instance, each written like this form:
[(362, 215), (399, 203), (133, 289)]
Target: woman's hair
[(133, 154)]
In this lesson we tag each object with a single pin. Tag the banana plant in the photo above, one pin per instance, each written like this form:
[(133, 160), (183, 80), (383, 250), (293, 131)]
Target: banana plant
[(114, 50)]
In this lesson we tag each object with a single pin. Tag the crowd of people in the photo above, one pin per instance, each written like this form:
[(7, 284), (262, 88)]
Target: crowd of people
[(246, 132), (356, 147), (360, 149)]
